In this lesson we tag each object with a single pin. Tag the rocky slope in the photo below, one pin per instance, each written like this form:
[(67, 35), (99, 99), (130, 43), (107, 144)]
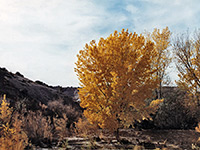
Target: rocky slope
[(18, 88)]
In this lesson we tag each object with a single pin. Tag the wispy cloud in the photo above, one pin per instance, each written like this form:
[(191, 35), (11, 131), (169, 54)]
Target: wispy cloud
[(40, 38), (178, 15)]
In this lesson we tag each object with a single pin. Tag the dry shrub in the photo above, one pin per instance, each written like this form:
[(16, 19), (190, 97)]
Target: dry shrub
[(37, 126), (59, 109), (194, 108), (12, 136), (43, 129), (85, 128), (43, 106), (177, 111), (56, 106), (197, 144), (61, 130)]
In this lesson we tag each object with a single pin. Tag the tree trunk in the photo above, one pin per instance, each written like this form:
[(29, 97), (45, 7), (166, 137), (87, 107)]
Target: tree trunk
[(117, 135), (160, 91), (197, 96)]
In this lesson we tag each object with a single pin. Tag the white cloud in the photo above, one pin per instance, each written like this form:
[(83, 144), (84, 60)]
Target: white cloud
[(132, 9), (40, 38), (178, 15)]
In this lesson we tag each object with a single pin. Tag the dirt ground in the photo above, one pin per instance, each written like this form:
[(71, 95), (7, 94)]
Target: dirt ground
[(171, 139), (139, 140)]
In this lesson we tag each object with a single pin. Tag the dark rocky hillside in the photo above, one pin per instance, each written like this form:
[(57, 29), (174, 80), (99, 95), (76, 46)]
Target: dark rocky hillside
[(18, 88)]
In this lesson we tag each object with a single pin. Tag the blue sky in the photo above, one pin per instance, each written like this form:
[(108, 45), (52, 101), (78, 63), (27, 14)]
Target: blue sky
[(41, 38)]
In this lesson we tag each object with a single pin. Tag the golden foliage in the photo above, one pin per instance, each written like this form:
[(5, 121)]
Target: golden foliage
[(116, 75), (197, 129), (161, 44), (156, 102), (5, 111), (163, 59), (12, 136)]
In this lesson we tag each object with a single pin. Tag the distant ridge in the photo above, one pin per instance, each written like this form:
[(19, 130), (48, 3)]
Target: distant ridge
[(17, 87)]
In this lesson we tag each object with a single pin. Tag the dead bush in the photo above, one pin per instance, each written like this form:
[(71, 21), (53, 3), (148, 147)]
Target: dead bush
[(37, 127), (85, 128), (177, 111), (61, 131), (58, 108)]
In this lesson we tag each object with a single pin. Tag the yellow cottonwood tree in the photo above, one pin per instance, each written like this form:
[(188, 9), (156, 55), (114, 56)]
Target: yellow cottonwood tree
[(187, 54), (116, 76), (161, 41)]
